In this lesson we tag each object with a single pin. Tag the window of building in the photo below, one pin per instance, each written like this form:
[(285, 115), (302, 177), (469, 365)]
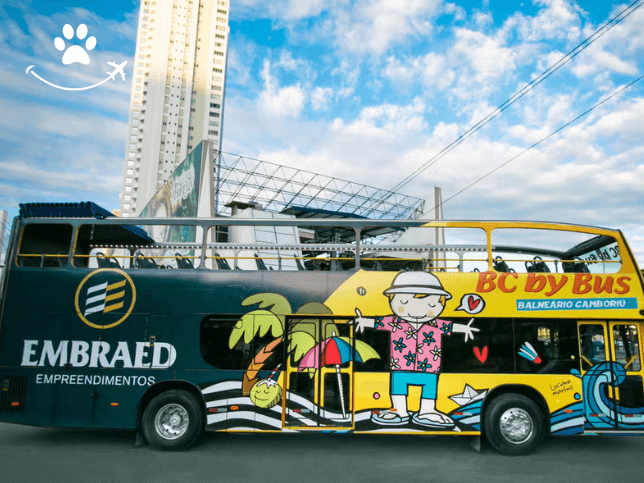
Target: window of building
[(214, 114), (130, 172), (216, 106), (213, 133), (131, 155)]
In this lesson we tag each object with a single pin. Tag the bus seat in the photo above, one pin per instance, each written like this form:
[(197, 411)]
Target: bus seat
[(222, 263), (144, 262), (500, 265), (575, 267), (106, 262), (299, 262), (537, 265), (183, 262), (260, 263)]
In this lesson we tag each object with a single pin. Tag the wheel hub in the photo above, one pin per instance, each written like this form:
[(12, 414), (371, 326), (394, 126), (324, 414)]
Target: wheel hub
[(516, 425), (171, 421)]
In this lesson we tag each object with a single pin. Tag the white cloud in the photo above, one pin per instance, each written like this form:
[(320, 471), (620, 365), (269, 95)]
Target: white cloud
[(558, 19), (374, 26), (431, 70), (486, 59), (320, 98), (592, 61), (276, 101), (279, 9), (455, 10)]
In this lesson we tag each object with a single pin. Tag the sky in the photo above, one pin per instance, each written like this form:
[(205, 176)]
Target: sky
[(366, 91)]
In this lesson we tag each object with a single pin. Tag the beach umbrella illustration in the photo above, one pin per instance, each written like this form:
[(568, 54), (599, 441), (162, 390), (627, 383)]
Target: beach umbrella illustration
[(335, 351)]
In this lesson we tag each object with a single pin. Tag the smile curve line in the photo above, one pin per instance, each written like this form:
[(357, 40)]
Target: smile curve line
[(110, 76)]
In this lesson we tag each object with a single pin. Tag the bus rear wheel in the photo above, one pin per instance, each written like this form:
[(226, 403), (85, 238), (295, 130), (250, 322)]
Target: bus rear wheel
[(173, 420), (514, 424)]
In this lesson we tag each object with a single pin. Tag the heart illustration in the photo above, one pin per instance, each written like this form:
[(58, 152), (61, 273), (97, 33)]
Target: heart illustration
[(473, 303), (481, 355)]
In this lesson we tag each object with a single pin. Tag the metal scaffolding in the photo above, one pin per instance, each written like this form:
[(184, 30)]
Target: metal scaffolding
[(277, 188)]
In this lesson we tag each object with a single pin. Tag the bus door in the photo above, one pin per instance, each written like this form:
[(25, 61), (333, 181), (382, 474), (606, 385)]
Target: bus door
[(319, 373), (611, 368)]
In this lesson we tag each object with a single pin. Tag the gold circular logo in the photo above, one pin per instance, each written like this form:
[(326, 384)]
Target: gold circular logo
[(105, 298)]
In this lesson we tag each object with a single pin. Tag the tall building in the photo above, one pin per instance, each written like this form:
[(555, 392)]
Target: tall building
[(178, 87)]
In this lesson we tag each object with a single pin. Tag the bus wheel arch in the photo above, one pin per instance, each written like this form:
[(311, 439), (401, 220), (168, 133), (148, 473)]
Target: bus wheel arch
[(181, 405), (515, 419)]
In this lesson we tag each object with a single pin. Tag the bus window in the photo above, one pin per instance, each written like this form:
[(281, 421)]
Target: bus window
[(592, 341), (444, 249), (214, 344), (626, 347), (491, 351), (546, 346), (44, 245), (526, 250), (380, 341), (130, 246), (248, 247), (216, 335), (603, 257)]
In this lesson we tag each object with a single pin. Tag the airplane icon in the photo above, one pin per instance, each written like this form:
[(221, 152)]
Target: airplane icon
[(118, 69)]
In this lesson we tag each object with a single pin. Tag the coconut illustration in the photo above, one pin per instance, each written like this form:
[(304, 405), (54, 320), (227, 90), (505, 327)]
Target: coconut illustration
[(267, 392)]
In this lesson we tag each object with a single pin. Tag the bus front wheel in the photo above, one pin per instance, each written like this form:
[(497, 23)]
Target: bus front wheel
[(514, 424), (173, 420)]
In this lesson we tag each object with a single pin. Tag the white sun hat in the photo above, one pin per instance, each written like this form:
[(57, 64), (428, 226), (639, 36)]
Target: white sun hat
[(417, 282)]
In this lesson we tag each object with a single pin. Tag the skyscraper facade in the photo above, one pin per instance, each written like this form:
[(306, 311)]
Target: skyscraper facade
[(178, 87)]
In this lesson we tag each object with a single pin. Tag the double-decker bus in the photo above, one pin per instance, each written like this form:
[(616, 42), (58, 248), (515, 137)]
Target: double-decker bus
[(513, 331)]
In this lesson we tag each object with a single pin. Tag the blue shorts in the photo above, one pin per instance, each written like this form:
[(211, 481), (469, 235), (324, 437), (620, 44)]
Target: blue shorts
[(401, 380)]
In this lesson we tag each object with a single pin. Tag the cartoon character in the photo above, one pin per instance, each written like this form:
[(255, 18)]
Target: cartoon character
[(416, 299), (267, 392)]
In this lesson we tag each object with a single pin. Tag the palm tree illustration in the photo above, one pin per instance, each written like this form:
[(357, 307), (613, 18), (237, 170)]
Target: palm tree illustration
[(271, 316)]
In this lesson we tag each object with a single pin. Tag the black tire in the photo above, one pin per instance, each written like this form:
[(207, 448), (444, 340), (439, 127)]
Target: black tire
[(514, 424), (173, 420)]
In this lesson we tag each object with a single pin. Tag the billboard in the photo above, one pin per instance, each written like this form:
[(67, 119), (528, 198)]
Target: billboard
[(178, 197)]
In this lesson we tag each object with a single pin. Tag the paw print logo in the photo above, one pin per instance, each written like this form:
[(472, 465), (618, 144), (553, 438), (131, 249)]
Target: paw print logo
[(75, 53), (78, 54)]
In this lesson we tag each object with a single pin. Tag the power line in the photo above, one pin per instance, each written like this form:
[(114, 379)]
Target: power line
[(542, 140), (519, 94)]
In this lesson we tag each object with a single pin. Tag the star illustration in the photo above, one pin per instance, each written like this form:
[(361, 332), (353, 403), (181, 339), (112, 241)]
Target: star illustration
[(468, 396)]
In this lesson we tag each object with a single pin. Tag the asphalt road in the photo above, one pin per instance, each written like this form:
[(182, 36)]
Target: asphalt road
[(56, 455)]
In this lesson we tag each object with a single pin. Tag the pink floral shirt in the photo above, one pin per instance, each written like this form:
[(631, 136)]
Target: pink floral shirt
[(411, 349)]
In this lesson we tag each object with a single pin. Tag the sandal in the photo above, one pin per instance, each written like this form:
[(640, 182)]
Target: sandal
[(395, 421), (434, 424)]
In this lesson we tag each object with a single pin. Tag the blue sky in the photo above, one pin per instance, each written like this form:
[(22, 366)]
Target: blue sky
[(366, 91)]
